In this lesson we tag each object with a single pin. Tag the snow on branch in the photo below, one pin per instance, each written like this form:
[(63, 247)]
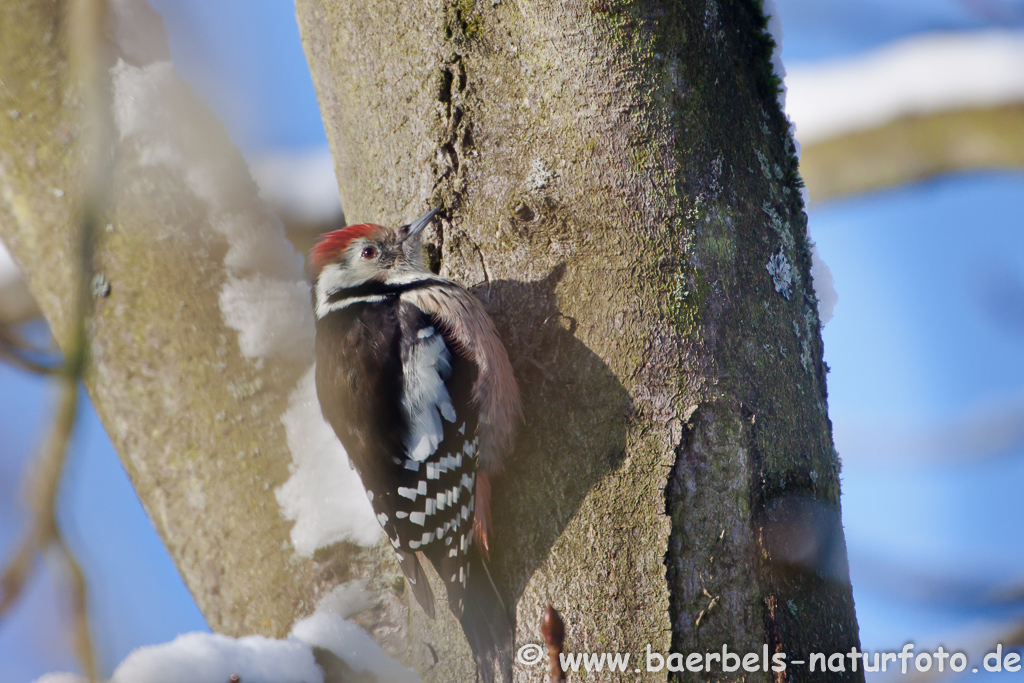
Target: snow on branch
[(920, 75), (216, 658), (301, 185), (265, 299), (324, 496)]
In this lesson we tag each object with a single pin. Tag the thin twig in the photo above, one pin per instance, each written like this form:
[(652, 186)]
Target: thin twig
[(12, 581), (79, 611), (14, 350), (45, 530), (90, 56)]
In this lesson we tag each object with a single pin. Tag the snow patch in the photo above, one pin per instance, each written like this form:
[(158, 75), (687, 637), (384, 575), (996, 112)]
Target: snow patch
[(300, 185), (62, 677), (9, 271), (271, 316), (259, 246), (824, 286), (352, 644), (919, 75), (324, 495), (139, 97), (264, 298), (346, 599), (214, 658)]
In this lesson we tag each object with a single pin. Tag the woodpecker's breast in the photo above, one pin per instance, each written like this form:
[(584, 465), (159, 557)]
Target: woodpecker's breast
[(398, 393)]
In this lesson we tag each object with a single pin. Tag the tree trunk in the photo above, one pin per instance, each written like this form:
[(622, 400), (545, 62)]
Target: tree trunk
[(620, 186), (620, 190)]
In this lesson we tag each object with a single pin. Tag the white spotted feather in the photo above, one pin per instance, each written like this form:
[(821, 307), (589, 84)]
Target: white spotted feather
[(428, 363)]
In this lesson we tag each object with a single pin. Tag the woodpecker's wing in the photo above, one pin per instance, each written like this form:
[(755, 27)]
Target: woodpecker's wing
[(443, 438), (398, 393), (434, 512)]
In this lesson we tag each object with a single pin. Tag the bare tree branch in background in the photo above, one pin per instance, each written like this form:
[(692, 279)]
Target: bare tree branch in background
[(914, 148), (44, 532), (19, 353)]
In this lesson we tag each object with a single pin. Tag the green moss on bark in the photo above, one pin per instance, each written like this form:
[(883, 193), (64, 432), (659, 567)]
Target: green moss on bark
[(611, 211)]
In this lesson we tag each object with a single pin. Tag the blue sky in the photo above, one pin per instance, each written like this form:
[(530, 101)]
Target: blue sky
[(246, 60), (818, 30), (924, 350), (920, 357)]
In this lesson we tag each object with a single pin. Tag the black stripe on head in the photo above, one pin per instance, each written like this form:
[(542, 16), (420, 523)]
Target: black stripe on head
[(378, 288)]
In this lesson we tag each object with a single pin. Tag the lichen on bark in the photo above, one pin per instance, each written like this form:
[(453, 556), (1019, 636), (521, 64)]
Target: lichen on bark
[(616, 178), (622, 178)]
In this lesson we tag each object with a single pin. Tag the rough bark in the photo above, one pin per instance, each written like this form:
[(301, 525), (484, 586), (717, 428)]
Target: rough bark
[(621, 189), (618, 179)]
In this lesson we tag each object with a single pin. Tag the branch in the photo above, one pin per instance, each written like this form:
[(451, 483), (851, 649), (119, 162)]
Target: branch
[(19, 353), (914, 148)]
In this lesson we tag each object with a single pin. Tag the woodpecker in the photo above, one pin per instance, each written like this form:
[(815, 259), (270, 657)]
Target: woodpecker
[(412, 376)]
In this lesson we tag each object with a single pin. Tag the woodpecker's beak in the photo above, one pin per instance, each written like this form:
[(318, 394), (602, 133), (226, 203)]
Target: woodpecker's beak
[(422, 222)]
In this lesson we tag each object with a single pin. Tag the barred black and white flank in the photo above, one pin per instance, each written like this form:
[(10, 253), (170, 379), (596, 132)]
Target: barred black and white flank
[(417, 385)]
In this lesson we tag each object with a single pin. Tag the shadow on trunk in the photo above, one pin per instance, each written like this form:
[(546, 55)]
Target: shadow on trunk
[(560, 454)]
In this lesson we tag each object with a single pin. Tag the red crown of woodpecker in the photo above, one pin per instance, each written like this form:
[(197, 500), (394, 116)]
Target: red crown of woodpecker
[(332, 244)]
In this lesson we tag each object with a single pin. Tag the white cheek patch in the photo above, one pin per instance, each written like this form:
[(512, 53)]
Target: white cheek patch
[(331, 279), (426, 366), (334, 277)]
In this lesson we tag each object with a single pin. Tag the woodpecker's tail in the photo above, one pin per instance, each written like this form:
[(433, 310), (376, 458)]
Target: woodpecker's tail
[(417, 579), (485, 622)]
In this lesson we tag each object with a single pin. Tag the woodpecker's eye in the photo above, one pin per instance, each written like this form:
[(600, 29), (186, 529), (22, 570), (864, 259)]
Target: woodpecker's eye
[(369, 252)]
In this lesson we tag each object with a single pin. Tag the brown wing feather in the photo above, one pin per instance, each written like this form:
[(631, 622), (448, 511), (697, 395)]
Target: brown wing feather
[(496, 392)]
